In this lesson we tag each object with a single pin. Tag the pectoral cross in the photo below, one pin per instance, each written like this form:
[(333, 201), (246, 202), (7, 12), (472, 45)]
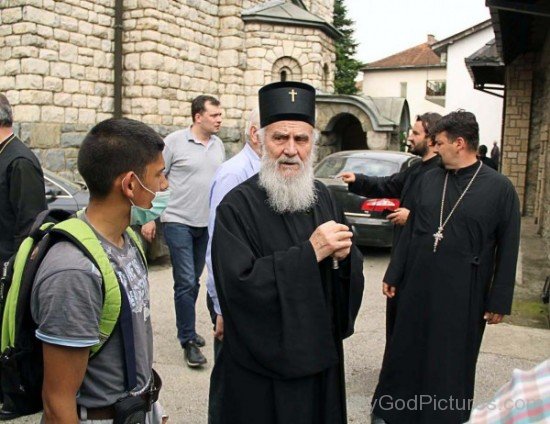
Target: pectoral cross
[(438, 236), (292, 94)]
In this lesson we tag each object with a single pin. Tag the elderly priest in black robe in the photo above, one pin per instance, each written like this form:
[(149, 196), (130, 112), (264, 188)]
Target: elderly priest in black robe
[(454, 267), (289, 280)]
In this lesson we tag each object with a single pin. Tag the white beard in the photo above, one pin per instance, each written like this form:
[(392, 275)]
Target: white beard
[(288, 193)]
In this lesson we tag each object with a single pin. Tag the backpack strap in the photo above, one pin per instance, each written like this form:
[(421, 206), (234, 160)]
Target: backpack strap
[(80, 233), (12, 298), (116, 306)]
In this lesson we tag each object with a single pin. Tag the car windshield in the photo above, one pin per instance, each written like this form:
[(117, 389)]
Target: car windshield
[(64, 182), (330, 167)]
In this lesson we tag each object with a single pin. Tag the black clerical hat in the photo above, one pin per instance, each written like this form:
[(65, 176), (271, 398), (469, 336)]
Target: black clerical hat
[(287, 101)]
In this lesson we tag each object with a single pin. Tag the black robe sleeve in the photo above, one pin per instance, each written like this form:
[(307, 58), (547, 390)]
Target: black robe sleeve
[(507, 246), (379, 186), (27, 196), (277, 319)]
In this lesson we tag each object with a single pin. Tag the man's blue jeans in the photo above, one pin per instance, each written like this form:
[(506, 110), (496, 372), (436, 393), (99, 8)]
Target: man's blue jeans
[(187, 247)]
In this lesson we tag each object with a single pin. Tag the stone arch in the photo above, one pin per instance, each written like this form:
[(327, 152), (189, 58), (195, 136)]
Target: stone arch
[(286, 67), (347, 122)]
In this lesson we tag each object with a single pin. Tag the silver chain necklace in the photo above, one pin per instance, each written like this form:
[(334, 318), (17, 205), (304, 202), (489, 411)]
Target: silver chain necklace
[(438, 236)]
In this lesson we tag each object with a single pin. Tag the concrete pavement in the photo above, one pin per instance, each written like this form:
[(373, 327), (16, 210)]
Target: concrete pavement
[(185, 391)]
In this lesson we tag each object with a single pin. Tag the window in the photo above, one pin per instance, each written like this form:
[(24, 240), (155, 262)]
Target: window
[(286, 69), (284, 74), (326, 76), (436, 87)]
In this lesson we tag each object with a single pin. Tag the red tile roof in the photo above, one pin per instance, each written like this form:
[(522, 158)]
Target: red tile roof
[(418, 56)]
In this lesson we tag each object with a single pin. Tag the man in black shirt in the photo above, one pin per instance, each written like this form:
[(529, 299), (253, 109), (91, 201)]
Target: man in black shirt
[(21, 185), (482, 155)]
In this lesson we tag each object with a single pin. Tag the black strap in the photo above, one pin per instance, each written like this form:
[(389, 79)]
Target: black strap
[(127, 330)]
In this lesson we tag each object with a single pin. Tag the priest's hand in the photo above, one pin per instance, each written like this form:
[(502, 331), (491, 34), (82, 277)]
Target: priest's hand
[(493, 318), (399, 216), (329, 238), (218, 331), (341, 254), (149, 231), (388, 290), (347, 177)]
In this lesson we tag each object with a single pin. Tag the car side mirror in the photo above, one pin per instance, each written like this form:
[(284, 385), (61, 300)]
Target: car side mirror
[(51, 195)]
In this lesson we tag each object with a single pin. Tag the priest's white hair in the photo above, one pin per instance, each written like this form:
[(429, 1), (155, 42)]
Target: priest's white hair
[(288, 193)]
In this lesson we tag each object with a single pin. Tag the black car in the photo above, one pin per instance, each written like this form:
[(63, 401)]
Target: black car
[(367, 216), (73, 196), (64, 194)]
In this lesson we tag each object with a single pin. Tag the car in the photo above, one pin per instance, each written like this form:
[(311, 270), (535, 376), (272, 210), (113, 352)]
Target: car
[(64, 194), (366, 216), (74, 196)]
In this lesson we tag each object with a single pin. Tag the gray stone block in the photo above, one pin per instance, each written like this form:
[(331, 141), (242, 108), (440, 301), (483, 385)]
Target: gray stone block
[(54, 160), (72, 139)]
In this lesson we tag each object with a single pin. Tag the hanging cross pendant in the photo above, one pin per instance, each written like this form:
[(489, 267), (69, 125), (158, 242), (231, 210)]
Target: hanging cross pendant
[(438, 237)]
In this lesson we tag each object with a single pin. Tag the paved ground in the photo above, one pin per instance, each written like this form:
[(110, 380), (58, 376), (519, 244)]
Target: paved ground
[(185, 397), (185, 391)]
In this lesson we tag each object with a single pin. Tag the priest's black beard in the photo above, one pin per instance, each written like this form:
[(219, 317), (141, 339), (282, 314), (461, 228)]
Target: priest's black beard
[(292, 193)]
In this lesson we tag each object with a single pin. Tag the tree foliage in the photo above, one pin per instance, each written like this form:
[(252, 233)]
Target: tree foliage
[(346, 65)]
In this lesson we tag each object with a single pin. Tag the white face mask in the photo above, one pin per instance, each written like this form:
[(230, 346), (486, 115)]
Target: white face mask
[(141, 216)]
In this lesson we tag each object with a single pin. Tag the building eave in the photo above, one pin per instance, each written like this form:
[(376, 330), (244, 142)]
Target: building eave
[(405, 67), (327, 28), (443, 44)]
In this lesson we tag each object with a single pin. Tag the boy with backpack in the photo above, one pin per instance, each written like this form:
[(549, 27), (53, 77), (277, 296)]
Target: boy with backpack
[(98, 365)]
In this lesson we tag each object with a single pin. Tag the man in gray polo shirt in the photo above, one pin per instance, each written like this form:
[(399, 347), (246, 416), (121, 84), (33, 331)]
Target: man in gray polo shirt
[(191, 157)]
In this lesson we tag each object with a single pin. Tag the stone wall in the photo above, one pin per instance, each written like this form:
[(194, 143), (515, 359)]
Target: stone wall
[(57, 60), (517, 118), (265, 44), (55, 68), (541, 121)]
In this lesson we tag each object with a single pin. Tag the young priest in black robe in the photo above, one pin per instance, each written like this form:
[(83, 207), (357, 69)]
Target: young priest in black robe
[(288, 277), (402, 185), (454, 267)]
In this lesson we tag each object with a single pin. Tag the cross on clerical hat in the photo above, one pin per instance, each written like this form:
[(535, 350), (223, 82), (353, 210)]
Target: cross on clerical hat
[(287, 101)]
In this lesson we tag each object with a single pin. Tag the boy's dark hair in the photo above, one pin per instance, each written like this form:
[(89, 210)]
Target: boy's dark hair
[(113, 147), (198, 105), (459, 124), (428, 120)]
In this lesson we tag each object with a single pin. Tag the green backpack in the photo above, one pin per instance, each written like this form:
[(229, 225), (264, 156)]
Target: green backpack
[(21, 362)]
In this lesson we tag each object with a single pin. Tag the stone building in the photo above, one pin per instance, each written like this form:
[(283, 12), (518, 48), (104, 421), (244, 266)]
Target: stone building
[(66, 65), (518, 63)]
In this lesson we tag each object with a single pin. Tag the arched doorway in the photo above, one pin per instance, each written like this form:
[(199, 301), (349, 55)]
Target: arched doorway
[(347, 130)]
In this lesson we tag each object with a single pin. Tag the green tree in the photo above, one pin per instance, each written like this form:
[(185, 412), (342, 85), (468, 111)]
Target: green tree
[(346, 65)]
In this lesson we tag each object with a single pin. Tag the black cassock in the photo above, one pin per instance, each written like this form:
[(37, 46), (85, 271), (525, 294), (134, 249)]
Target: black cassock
[(404, 186), (432, 353), (285, 315)]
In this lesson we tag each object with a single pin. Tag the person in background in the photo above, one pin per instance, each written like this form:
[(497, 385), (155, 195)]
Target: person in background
[(22, 193), (230, 174), (455, 267), (192, 156), (482, 155)]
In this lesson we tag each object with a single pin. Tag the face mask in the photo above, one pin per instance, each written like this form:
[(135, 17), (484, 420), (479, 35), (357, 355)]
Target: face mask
[(140, 216)]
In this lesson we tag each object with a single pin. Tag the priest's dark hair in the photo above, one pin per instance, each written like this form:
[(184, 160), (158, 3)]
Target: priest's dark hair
[(113, 147), (198, 105), (428, 120), (459, 123)]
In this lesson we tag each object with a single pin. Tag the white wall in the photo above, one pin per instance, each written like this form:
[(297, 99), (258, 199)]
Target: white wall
[(460, 88), (387, 84)]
